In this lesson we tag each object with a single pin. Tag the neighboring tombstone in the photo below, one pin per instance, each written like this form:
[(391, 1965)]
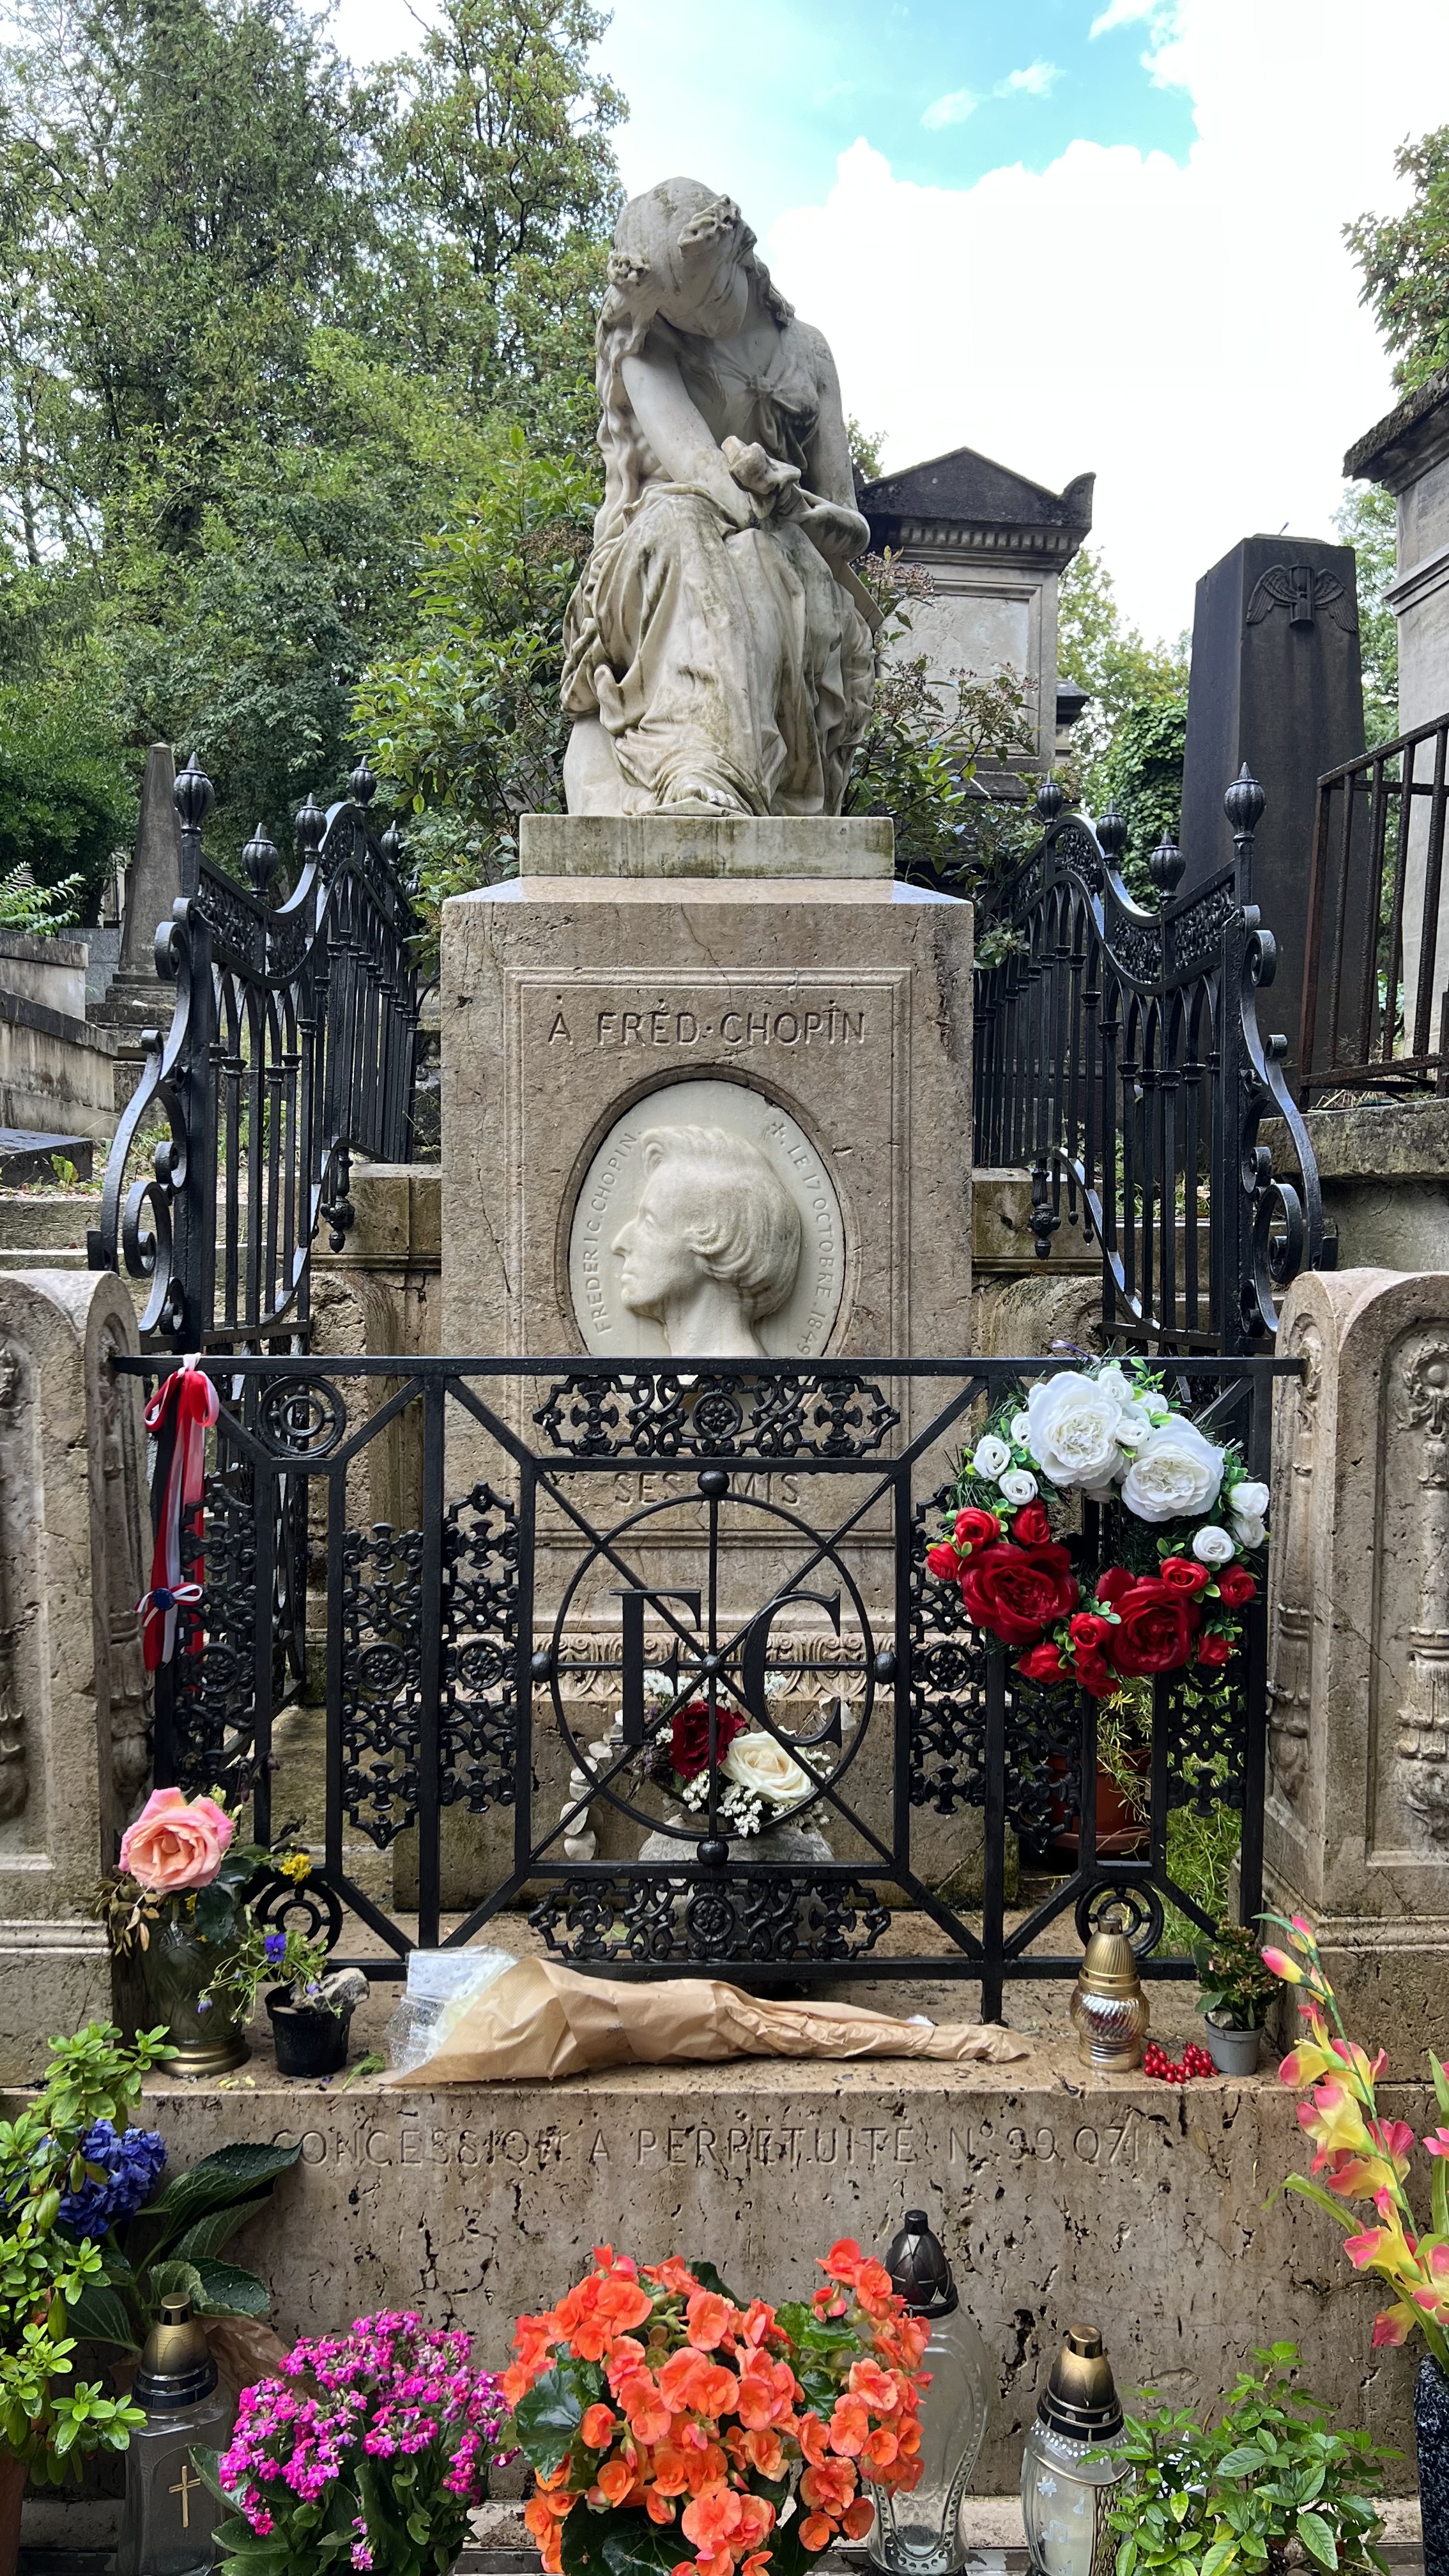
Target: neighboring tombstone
[(135, 998), (995, 546), (1276, 683), (1408, 453)]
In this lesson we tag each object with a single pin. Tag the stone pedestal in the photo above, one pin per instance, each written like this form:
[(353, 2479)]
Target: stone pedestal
[(135, 997), (74, 1744), (1357, 1827)]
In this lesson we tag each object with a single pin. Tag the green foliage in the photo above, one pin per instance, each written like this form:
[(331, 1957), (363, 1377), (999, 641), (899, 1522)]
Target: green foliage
[(46, 2278), (865, 449), (949, 777), (1405, 262), (1368, 521), (1235, 1981), (1269, 2484), (1141, 774), (173, 2243), (1111, 660), (547, 2417)]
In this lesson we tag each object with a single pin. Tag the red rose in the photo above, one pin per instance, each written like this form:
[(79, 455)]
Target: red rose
[(1235, 1586), (1031, 1528), (1184, 1574), (1157, 1627), (1214, 1651), (1095, 1674), (1087, 1629), (1044, 1663), (976, 1530), (1015, 1592), (1113, 1583), (689, 1736), (944, 1563)]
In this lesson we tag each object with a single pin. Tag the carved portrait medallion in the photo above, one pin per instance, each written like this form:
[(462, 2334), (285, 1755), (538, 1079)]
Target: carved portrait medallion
[(706, 1227)]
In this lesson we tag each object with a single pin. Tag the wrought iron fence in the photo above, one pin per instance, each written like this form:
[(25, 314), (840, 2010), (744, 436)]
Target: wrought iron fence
[(1119, 1058), (597, 1555), (1376, 991), (290, 1047)]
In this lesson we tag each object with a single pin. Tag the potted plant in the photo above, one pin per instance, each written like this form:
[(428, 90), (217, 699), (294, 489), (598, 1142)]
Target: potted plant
[(1237, 1988), (50, 2422), (671, 2426), (368, 2452), (155, 2236), (181, 1905), (1268, 2485), (1361, 2156), (310, 2010)]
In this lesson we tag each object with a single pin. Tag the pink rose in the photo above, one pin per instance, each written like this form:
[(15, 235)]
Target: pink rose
[(176, 1844)]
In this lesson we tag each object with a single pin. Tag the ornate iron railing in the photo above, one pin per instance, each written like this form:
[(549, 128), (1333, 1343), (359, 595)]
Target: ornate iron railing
[(597, 1552), (1119, 1059), (290, 1048), (1376, 990)]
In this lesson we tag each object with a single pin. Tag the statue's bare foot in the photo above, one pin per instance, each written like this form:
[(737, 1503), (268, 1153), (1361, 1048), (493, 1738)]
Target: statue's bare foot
[(700, 796)]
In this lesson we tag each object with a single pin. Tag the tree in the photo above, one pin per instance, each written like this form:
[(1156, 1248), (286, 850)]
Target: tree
[(1112, 661), (1142, 776), (1368, 521), (1405, 262)]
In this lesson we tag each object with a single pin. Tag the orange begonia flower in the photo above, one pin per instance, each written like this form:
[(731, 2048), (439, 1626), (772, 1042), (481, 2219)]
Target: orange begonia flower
[(882, 2448), (874, 2386), (657, 2506), (708, 2319), (850, 2427), (858, 2518), (615, 2479), (811, 2436), (597, 2429), (669, 2469), (829, 2485), (767, 2391), (675, 2275)]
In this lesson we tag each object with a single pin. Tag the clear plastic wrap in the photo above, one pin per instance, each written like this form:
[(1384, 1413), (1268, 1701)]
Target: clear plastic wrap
[(440, 1986)]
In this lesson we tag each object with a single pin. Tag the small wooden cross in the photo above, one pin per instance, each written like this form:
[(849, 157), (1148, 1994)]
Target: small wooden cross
[(188, 2480)]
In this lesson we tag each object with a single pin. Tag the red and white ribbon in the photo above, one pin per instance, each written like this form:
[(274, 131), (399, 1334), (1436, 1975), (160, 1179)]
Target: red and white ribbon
[(188, 1400)]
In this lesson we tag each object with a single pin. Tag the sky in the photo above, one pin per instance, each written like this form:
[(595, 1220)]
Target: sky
[(1078, 235)]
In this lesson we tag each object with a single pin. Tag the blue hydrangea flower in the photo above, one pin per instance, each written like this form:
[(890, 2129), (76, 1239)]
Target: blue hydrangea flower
[(131, 2163), (275, 1946)]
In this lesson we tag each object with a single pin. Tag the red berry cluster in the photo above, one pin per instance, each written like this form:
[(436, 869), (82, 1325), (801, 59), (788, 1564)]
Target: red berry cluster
[(1194, 2061)]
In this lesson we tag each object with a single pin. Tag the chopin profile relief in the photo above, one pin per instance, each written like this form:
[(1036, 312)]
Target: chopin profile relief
[(713, 1246)]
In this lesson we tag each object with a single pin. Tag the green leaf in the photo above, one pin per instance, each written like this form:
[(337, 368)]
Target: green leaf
[(227, 2291), (1317, 2536), (709, 2279), (231, 2174), (99, 2316), (209, 2234), (173, 2280), (1244, 2462), (548, 2418), (1221, 2555)]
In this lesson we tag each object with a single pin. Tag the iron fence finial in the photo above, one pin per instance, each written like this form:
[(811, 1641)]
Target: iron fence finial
[(1049, 801), (1165, 866), (259, 858), (1112, 833)]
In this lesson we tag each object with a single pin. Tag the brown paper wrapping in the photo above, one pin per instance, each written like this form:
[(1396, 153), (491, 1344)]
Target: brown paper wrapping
[(541, 2021)]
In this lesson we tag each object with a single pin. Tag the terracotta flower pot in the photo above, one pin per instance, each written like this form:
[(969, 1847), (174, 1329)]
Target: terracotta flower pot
[(1122, 1834)]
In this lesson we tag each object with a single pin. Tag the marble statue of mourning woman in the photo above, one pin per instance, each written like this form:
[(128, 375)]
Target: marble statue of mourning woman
[(718, 649)]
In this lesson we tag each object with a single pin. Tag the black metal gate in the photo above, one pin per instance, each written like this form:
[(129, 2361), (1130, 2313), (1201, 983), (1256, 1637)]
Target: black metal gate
[(599, 1555)]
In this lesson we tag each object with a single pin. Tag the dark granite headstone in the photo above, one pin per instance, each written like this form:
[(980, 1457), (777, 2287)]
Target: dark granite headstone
[(1276, 683)]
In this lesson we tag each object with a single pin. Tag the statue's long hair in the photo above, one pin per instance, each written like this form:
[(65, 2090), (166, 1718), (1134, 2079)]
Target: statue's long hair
[(660, 241)]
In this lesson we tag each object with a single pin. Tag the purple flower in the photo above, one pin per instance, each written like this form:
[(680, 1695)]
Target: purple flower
[(275, 1946), (130, 2161)]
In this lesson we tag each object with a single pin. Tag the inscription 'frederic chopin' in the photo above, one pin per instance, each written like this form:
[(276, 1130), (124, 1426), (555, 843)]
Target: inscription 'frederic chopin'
[(736, 1031)]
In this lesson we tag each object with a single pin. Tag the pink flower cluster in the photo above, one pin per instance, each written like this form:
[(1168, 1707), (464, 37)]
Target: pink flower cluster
[(389, 2389)]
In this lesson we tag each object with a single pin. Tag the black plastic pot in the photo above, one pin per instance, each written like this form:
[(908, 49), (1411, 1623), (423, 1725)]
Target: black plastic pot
[(307, 2041), (1431, 2424)]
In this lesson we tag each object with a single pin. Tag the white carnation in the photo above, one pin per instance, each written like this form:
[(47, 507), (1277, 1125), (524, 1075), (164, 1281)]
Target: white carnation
[(1212, 1546), (1249, 1501), (989, 1457), (1018, 1485), (1074, 1430), (1176, 1474)]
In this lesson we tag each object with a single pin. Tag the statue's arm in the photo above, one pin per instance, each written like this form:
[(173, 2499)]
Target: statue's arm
[(679, 434), (840, 531)]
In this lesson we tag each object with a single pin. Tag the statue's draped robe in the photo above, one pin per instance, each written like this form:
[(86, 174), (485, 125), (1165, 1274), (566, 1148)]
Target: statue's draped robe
[(714, 656)]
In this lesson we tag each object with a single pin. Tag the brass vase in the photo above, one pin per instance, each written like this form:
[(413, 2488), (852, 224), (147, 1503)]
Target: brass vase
[(176, 1968)]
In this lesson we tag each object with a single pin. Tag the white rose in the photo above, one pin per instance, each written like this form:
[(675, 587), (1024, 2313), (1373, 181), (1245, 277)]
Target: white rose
[(1018, 1485), (1021, 1429), (1074, 1430), (1248, 1533), (765, 1769), (989, 1457), (1175, 1474), (1115, 1381), (1249, 1501), (1212, 1546)]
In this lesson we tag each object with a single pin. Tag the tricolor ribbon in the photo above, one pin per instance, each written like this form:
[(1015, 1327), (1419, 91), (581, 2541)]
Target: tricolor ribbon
[(186, 1402)]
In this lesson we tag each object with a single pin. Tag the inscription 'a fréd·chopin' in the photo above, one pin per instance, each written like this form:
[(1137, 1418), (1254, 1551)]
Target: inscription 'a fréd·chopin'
[(736, 1031)]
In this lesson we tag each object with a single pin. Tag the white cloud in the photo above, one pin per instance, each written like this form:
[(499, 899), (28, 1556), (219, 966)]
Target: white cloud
[(1038, 80), (1126, 13), (1191, 331), (953, 109)]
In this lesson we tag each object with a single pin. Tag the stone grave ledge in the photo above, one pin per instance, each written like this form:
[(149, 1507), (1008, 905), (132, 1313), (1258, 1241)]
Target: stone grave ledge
[(1060, 2193)]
